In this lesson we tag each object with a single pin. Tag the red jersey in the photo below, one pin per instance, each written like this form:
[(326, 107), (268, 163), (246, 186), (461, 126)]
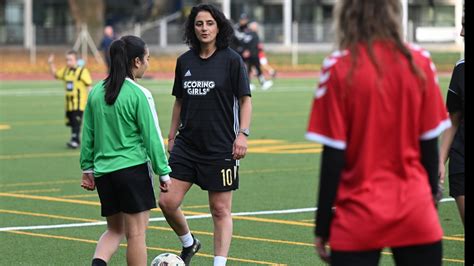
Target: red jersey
[(384, 197)]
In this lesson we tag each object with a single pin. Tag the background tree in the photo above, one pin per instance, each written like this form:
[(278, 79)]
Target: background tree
[(90, 12)]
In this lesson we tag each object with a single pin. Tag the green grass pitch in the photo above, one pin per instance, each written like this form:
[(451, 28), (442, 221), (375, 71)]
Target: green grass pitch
[(39, 185)]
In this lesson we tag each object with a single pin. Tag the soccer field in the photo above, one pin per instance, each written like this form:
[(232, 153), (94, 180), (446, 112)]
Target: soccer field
[(46, 218)]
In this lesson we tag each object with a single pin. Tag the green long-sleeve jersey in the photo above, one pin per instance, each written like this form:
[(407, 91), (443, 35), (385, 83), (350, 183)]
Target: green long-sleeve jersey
[(124, 134)]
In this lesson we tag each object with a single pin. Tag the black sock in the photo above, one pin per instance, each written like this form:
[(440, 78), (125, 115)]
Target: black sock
[(75, 131), (98, 262)]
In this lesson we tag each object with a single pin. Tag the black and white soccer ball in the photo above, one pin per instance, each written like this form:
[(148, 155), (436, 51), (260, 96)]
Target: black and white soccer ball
[(167, 259)]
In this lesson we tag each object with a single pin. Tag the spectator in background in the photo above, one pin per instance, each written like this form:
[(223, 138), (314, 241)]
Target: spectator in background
[(239, 33), (107, 40), (246, 43), (77, 81), (453, 140), (251, 44), (262, 57), (379, 124)]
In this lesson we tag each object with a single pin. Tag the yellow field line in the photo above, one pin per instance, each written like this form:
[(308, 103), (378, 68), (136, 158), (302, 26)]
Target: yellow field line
[(47, 198), (444, 259), (255, 219), (195, 206), (272, 114), (23, 138), (258, 239), (454, 238), (38, 155), (293, 146), (244, 218), (48, 216), (37, 122), (274, 221), (35, 191), (4, 127), (287, 148), (200, 254), (47, 183), (93, 195), (77, 181), (276, 170), (74, 154), (161, 228), (197, 232), (453, 260), (270, 151), (264, 141)]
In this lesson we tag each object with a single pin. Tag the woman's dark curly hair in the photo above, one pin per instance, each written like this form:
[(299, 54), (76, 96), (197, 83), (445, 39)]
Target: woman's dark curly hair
[(223, 38)]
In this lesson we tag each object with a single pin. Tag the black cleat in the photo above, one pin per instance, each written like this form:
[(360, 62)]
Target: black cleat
[(188, 253)]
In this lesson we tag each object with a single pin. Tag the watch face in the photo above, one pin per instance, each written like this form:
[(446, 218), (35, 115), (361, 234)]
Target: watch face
[(245, 131)]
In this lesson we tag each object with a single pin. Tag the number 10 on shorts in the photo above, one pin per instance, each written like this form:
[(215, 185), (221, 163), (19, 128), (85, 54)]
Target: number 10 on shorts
[(228, 176)]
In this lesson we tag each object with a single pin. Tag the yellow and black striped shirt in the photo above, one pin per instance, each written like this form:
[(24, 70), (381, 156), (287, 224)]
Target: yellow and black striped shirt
[(77, 81)]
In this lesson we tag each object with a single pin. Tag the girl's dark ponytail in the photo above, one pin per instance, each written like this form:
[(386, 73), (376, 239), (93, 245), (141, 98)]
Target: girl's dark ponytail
[(122, 53)]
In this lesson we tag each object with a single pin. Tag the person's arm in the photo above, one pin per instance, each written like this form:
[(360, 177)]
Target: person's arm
[(240, 144), (175, 121), (52, 66), (87, 149), (429, 159), (86, 79), (331, 168), (332, 164), (176, 113), (455, 106), (147, 120), (446, 141)]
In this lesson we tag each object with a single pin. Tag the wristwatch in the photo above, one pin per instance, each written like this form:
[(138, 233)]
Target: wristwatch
[(245, 131)]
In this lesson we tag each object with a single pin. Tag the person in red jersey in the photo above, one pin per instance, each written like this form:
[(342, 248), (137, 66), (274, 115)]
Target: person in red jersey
[(378, 111)]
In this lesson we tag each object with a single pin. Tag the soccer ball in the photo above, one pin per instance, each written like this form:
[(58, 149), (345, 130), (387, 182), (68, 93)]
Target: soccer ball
[(167, 259)]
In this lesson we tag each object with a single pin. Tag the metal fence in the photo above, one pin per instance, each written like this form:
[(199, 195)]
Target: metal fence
[(172, 34)]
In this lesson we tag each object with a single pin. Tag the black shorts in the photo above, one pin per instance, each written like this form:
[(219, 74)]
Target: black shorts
[(128, 190), (426, 254), (456, 174), (220, 176), (74, 118), (456, 185)]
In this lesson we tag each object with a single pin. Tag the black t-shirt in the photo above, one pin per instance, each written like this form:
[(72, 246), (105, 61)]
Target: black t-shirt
[(455, 103), (210, 90)]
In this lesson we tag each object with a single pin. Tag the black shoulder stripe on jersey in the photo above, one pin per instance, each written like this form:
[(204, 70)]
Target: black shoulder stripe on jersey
[(80, 74)]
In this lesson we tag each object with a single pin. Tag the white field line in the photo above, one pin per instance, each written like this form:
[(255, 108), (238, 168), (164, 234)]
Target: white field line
[(203, 216)]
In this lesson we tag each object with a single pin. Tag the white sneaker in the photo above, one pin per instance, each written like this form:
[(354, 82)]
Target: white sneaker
[(267, 85), (72, 144)]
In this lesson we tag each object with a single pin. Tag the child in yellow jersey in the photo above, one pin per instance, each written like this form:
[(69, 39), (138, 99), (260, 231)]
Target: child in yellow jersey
[(77, 82)]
